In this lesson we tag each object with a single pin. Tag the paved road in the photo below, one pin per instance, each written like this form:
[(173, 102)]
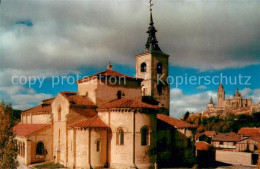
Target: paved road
[(237, 167), (219, 167), (22, 167)]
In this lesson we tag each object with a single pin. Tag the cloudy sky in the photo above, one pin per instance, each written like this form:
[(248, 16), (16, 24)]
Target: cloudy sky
[(66, 37)]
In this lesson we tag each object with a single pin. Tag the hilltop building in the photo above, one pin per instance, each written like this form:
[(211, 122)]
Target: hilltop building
[(235, 105), (118, 125)]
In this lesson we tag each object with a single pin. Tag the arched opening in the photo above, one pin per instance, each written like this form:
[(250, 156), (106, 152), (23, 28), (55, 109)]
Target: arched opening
[(159, 68), (98, 145), (119, 94), (159, 89), (143, 67), (120, 137), (144, 92), (59, 112), (40, 149), (23, 150), (144, 136)]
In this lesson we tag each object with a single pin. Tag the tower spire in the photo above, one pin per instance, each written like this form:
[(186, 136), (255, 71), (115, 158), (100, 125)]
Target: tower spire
[(152, 43), (211, 100), (237, 93)]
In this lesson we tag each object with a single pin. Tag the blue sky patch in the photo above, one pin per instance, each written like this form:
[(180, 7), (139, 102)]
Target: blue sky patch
[(25, 22)]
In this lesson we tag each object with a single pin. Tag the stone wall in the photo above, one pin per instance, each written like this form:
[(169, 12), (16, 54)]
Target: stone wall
[(44, 136), (41, 118), (101, 92), (234, 157), (121, 156), (247, 144), (30, 142), (60, 129)]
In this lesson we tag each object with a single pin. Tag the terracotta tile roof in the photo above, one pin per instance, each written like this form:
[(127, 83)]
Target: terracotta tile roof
[(45, 107), (93, 122), (257, 138), (87, 112), (127, 103), (75, 99), (107, 73), (48, 101), (37, 109), (199, 135), (249, 131), (26, 129), (210, 133), (233, 137), (202, 145), (174, 122)]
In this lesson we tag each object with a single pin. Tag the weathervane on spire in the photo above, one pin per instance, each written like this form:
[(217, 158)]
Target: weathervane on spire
[(109, 66), (151, 5)]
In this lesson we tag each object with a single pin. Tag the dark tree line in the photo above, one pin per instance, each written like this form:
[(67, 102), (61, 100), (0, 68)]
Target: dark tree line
[(229, 123)]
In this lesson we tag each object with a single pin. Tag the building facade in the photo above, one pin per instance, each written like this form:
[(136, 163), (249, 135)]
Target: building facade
[(123, 123)]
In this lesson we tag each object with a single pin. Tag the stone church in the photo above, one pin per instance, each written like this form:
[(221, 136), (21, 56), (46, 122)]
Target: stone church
[(123, 123)]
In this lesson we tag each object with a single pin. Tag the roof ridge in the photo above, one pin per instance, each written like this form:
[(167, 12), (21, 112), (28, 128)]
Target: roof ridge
[(94, 118), (31, 108), (48, 99)]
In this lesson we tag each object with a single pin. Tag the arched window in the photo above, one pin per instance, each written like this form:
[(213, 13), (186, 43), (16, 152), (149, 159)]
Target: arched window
[(119, 94), (159, 89), (144, 92), (23, 150), (40, 148), (98, 145), (159, 68), (59, 112), (120, 137), (144, 136), (143, 67), (19, 148)]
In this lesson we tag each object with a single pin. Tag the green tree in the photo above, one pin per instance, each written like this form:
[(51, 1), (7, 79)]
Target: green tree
[(8, 145)]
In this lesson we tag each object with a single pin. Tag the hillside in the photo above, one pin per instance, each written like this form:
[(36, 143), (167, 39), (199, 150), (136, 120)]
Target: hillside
[(230, 123)]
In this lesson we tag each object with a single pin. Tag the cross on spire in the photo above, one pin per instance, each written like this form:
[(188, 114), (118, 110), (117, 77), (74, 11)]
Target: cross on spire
[(152, 43), (151, 5)]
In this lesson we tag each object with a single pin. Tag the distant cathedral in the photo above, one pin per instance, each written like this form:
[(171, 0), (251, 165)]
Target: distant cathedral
[(237, 104), (120, 125)]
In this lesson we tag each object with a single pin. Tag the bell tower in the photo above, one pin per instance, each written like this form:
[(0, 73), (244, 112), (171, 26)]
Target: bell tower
[(152, 66), (221, 96)]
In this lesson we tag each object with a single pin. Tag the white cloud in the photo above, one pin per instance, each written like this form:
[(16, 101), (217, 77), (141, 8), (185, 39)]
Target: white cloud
[(180, 103), (22, 98), (202, 87), (68, 35), (249, 93), (246, 92)]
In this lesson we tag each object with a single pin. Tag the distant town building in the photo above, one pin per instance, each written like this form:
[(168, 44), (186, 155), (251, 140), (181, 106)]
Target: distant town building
[(235, 105), (241, 147), (247, 139), (205, 136), (226, 140)]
